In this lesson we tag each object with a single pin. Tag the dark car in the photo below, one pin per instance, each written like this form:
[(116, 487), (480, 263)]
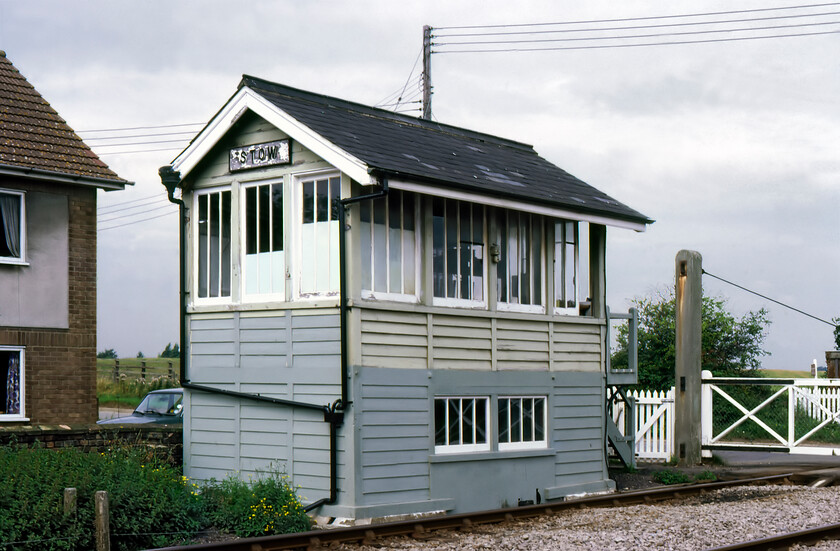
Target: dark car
[(158, 407)]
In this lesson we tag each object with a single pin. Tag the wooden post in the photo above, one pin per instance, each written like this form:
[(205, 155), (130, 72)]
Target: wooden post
[(69, 501), (427, 73), (116, 371), (143, 370), (689, 304), (171, 374), (102, 521)]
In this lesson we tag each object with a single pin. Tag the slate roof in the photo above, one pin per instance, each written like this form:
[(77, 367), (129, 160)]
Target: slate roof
[(414, 148), (34, 136)]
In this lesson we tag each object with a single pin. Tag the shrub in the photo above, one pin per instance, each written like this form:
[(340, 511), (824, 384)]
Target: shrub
[(670, 476), (151, 504), (269, 505), (706, 476)]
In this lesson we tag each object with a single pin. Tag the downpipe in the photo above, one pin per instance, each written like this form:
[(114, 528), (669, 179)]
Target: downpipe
[(333, 413)]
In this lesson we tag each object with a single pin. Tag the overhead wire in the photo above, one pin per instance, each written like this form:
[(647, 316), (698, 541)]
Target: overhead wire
[(162, 199), (139, 221), (768, 298), (133, 214)]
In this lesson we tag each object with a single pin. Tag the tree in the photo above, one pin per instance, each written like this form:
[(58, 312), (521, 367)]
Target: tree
[(171, 351), (140, 355), (730, 347), (836, 322), (108, 354)]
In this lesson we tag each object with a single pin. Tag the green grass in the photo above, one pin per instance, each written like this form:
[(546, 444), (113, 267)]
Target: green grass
[(130, 388), (787, 373)]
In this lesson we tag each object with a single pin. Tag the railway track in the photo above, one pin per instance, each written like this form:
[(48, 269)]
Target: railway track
[(422, 528)]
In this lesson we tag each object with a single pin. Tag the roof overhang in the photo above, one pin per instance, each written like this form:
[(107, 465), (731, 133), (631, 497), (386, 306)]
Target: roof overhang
[(513, 204), (63, 177), (246, 99)]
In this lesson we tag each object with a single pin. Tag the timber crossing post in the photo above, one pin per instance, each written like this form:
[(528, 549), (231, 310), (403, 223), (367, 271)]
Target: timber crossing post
[(427, 72), (689, 303)]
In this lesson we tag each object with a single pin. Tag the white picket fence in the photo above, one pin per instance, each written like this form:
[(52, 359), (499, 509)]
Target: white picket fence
[(819, 402), (654, 423)]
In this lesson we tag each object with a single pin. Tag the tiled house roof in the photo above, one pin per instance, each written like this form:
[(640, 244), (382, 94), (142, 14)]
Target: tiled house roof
[(413, 148), (34, 136)]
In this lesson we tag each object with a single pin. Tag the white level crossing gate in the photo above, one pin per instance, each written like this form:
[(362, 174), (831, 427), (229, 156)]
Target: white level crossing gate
[(792, 415), (788, 415)]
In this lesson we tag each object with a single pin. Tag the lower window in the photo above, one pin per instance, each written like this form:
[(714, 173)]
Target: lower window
[(461, 424), (11, 382), (522, 422)]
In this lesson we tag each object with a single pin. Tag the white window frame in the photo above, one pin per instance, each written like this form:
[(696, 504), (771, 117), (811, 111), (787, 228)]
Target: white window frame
[(458, 301), (195, 215), (21, 260), (298, 181), (243, 230), (523, 444), (504, 306), (21, 416), (559, 267), (460, 447), (402, 296)]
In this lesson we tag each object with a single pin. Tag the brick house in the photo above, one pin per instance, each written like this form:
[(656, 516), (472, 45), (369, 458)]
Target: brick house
[(48, 183)]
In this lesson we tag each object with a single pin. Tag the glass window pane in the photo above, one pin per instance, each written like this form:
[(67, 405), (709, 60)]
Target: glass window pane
[(264, 232), (525, 260), (225, 244), (467, 425), (215, 244), (203, 240), (440, 423), (380, 247), (478, 253), (438, 247), (277, 217), (465, 266), (536, 263), (335, 196), (539, 419), (504, 420), (308, 202), (409, 251), (366, 244), (516, 420), (322, 194), (394, 243), (251, 220), (451, 248), (569, 270), (454, 421), (481, 421), (527, 419)]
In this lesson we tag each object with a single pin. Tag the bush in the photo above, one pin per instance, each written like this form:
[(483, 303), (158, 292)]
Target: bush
[(151, 504), (264, 507), (670, 476)]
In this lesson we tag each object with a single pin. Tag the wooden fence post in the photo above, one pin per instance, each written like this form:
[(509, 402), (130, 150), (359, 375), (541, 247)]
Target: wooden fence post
[(116, 371), (69, 501), (143, 370), (102, 521), (170, 370)]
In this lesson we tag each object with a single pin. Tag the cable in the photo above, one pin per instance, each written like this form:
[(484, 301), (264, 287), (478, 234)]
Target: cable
[(138, 151), (142, 127), (138, 221), (127, 136), (649, 18), (154, 142), (641, 44), (635, 27), (633, 36), (126, 202), (167, 205), (152, 202), (768, 298)]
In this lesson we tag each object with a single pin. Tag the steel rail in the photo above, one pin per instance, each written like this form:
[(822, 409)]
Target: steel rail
[(786, 541), (420, 527)]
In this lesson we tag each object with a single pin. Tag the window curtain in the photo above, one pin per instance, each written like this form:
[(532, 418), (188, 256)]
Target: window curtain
[(10, 218), (13, 385)]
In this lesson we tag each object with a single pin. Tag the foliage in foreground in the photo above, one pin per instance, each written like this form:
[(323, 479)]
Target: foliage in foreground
[(731, 347), (146, 495), (151, 503)]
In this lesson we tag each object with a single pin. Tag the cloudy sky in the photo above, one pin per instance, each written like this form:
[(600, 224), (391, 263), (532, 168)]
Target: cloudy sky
[(733, 147)]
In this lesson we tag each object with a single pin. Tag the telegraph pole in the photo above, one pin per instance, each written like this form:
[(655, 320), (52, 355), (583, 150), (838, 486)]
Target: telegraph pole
[(427, 72)]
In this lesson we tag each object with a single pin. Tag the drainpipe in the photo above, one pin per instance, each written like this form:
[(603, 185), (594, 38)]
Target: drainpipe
[(332, 412), (342, 263), (170, 180)]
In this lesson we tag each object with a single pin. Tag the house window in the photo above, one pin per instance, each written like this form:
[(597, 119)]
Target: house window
[(388, 244), (522, 422), (520, 269), (213, 272), (461, 424), (11, 227), (319, 235), (458, 250), (566, 267), (11, 382), (265, 262)]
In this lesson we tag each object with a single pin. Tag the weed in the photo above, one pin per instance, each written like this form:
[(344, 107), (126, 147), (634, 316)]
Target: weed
[(671, 476), (706, 476)]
